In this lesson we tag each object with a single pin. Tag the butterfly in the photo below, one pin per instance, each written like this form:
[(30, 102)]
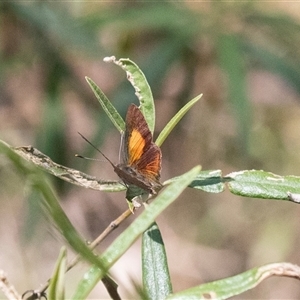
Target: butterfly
[(140, 164), (140, 157)]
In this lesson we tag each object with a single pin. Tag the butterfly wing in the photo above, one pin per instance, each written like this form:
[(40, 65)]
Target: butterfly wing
[(140, 151)]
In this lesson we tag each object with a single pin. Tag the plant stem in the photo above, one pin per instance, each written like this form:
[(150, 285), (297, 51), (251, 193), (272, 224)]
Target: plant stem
[(111, 227)]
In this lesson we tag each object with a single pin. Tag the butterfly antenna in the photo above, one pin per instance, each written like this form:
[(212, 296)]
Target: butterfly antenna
[(96, 149), (87, 158)]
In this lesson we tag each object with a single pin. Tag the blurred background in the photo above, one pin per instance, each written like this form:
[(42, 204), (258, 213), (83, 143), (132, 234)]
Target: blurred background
[(245, 59)]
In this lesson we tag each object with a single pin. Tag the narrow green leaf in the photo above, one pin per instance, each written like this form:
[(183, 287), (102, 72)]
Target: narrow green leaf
[(209, 181), (260, 184), (156, 277), (141, 86), (61, 220), (57, 283), (127, 238), (229, 287), (107, 106), (68, 174), (17, 160), (51, 204), (173, 122)]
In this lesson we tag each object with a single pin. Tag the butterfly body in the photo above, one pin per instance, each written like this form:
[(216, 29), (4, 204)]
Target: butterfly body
[(141, 157)]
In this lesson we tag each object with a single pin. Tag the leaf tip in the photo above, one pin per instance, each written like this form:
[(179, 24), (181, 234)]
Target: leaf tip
[(109, 59), (294, 197)]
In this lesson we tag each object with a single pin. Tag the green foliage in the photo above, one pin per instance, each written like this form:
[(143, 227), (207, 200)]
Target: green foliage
[(175, 37), (57, 284), (107, 106), (142, 89), (172, 123), (229, 287), (265, 185), (156, 278), (126, 239)]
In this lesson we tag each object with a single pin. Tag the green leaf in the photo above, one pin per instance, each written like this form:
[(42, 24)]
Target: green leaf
[(57, 282), (127, 238), (173, 122), (68, 174), (260, 184), (141, 86), (229, 287), (209, 181), (156, 277), (39, 182), (107, 106)]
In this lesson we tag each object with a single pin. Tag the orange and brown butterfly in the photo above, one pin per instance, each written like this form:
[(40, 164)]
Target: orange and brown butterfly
[(141, 157), (140, 164)]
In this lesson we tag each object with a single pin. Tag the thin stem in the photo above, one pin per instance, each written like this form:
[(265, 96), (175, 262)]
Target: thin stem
[(111, 227), (8, 290)]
